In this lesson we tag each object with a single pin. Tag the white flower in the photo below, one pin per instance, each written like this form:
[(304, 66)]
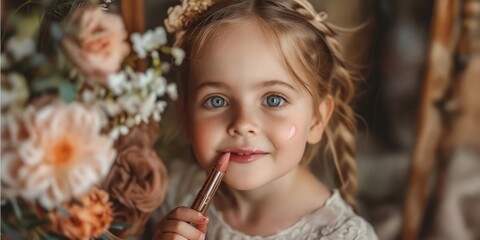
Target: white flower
[(137, 42), (123, 129), (148, 106), (117, 82), (159, 86), (20, 47), (17, 94), (172, 91), (130, 103), (165, 67), (156, 116), (154, 39), (150, 40), (160, 106), (88, 96), (61, 154), (109, 107), (178, 54), (114, 133), (144, 79)]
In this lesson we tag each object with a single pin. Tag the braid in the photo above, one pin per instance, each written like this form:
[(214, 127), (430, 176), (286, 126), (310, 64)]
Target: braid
[(342, 127)]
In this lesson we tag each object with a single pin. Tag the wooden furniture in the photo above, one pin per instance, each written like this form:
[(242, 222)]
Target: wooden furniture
[(133, 13), (452, 28)]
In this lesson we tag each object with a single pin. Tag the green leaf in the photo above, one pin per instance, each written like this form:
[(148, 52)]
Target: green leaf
[(37, 223), (120, 225), (68, 92), (16, 208)]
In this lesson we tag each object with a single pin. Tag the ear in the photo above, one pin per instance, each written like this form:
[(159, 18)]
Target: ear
[(323, 114)]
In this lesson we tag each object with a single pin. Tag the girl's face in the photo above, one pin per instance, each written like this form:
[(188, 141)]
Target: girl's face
[(243, 100)]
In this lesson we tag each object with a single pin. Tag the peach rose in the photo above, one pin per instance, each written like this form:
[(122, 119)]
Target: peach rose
[(98, 45), (138, 179)]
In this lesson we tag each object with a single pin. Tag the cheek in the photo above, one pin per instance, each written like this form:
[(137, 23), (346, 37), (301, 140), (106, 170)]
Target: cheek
[(288, 133), (205, 135)]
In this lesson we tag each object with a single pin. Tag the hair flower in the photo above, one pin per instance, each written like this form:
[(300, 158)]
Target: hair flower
[(180, 16)]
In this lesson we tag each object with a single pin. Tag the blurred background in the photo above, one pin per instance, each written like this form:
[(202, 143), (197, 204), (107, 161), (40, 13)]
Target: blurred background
[(418, 106)]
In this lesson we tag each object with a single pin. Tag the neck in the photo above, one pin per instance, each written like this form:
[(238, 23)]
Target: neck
[(275, 205)]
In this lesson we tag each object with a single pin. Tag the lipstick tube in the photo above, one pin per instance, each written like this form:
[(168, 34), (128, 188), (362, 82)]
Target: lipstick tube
[(205, 195)]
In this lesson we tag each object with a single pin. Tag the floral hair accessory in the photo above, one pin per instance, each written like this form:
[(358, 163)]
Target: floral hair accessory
[(306, 9), (180, 16)]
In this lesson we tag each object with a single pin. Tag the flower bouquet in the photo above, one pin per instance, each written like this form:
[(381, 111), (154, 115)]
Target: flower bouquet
[(79, 121)]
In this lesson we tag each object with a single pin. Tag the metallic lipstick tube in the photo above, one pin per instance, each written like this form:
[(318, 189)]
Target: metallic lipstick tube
[(204, 197), (210, 187)]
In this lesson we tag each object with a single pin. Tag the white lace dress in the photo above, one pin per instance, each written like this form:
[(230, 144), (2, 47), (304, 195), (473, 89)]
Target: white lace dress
[(335, 220)]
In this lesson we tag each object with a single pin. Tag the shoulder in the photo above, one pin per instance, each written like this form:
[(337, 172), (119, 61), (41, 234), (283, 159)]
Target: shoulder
[(344, 223)]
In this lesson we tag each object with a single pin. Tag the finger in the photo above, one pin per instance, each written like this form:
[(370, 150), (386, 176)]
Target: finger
[(188, 215), (182, 228)]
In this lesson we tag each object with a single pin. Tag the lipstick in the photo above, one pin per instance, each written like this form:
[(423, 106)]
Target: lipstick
[(210, 187)]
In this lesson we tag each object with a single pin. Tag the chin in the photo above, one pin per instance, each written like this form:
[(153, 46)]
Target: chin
[(243, 184)]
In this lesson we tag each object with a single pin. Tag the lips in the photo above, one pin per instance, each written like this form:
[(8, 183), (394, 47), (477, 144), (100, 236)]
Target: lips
[(245, 155)]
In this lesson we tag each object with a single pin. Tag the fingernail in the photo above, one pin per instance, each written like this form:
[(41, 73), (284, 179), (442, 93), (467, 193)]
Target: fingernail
[(203, 219), (202, 237)]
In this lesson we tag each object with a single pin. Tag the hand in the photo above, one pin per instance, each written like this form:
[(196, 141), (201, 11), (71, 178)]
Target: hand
[(176, 225)]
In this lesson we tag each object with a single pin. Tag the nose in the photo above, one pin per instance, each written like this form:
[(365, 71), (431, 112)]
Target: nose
[(243, 123)]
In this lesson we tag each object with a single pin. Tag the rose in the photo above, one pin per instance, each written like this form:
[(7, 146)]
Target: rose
[(98, 46), (138, 179), (137, 184)]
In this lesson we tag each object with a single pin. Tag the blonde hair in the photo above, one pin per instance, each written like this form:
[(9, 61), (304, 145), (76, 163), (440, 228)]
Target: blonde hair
[(310, 52)]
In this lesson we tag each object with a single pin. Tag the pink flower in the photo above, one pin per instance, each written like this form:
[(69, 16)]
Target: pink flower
[(53, 153), (99, 45)]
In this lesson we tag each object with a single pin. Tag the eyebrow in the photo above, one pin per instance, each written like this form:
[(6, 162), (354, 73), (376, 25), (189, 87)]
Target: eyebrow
[(220, 85), (272, 83), (211, 84)]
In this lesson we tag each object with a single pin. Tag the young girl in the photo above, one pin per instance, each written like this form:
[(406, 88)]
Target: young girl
[(264, 80)]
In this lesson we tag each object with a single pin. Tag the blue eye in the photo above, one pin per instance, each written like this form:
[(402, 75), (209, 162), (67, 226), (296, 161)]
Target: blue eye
[(215, 102), (274, 101)]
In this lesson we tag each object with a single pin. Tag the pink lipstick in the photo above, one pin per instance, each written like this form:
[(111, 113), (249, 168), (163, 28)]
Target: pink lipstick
[(210, 187)]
